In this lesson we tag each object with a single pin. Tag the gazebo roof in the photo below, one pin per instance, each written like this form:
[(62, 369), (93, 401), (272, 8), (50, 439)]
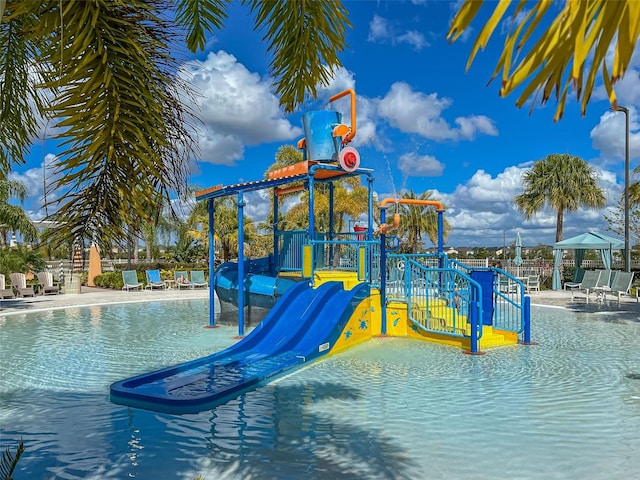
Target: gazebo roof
[(590, 241)]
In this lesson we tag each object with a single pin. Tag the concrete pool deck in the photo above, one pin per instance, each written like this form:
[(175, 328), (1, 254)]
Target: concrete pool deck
[(102, 296)]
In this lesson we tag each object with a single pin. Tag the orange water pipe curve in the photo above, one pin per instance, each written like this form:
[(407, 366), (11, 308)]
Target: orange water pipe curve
[(385, 228), (348, 91)]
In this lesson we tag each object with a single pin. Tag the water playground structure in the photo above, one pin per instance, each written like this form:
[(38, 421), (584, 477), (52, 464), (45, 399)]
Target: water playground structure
[(327, 291)]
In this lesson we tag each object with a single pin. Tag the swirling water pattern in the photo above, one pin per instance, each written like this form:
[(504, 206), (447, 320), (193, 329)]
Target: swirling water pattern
[(389, 409)]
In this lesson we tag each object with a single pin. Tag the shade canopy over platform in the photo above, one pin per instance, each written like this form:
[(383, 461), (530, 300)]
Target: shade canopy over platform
[(587, 241)]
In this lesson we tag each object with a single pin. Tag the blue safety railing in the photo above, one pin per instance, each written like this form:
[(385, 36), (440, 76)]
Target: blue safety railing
[(509, 301), (290, 250), (440, 300)]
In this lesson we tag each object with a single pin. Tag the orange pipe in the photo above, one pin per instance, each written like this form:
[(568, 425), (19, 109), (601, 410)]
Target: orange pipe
[(410, 201), (386, 228), (348, 91)]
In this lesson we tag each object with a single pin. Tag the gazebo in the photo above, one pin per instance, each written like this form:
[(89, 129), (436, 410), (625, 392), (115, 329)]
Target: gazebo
[(587, 241)]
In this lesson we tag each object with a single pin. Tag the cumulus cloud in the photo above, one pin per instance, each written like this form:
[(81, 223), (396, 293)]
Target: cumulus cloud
[(416, 112), (482, 213), (236, 107), (382, 30), (608, 136), (412, 164)]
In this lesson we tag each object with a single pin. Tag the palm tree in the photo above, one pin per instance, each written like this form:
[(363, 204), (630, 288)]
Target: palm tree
[(116, 97), (13, 217), (418, 220), (561, 182), (541, 48)]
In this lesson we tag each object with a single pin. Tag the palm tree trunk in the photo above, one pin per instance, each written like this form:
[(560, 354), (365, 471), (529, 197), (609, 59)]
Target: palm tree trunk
[(559, 224)]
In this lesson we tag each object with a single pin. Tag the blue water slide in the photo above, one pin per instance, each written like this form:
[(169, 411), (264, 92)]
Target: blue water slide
[(303, 326)]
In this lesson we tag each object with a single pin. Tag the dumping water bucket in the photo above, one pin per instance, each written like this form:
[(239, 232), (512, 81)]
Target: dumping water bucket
[(359, 229), (318, 127)]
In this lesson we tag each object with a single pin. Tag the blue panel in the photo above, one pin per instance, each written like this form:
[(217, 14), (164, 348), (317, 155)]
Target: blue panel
[(295, 331), (486, 279)]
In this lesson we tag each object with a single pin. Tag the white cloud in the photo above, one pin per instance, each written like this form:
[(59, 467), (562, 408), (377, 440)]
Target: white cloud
[(236, 106), (416, 112), (609, 136), (382, 30), (412, 164), (481, 211)]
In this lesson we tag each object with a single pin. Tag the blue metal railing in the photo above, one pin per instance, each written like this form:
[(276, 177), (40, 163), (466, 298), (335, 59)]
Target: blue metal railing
[(509, 311), (440, 300)]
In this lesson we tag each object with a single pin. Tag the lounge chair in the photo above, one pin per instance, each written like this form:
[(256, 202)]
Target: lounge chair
[(197, 279), (621, 285), (533, 283), (588, 284), (130, 280), (182, 279), (604, 279), (577, 280), (4, 291), (46, 285), (154, 280), (19, 284)]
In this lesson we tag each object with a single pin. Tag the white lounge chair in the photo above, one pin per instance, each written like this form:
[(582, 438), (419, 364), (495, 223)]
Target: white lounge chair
[(130, 280), (533, 283), (181, 278), (588, 284), (19, 284), (197, 279), (46, 286), (621, 285), (154, 280), (4, 291)]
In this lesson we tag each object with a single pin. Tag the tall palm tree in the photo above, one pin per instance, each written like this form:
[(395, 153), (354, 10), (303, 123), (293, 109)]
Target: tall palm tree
[(13, 217), (561, 182), (419, 220), (541, 48), (116, 97)]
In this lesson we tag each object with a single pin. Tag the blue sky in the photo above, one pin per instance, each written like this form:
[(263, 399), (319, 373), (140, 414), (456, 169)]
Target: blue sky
[(423, 122)]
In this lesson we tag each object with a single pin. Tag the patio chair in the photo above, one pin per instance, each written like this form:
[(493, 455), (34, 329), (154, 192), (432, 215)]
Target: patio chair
[(578, 280), (533, 283), (154, 280), (130, 280), (4, 291), (182, 279), (588, 284), (46, 285), (19, 284), (621, 285), (197, 279), (604, 279)]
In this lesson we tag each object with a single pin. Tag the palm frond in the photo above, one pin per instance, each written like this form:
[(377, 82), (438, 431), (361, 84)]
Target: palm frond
[(568, 51), (18, 93), (10, 461), (199, 17), (305, 38), (125, 130)]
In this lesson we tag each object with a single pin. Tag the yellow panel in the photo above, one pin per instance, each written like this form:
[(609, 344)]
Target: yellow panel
[(307, 261), (358, 328)]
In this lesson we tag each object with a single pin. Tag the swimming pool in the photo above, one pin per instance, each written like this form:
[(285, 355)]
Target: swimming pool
[(389, 409)]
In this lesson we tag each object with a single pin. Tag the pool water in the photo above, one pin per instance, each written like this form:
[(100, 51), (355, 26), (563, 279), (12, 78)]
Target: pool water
[(389, 409)]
